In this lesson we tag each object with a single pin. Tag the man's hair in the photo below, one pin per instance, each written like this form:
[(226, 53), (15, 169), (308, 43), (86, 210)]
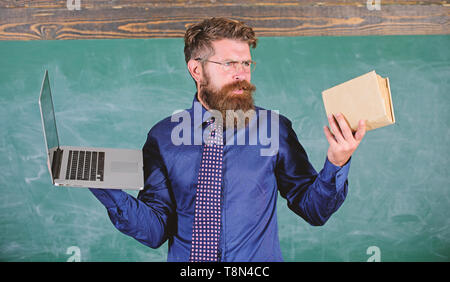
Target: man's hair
[(198, 37)]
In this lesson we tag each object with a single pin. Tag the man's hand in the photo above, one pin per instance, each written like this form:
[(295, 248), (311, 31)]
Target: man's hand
[(343, 143)]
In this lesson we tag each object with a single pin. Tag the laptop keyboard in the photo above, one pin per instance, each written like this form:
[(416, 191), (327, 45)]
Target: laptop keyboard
[(85, 165)]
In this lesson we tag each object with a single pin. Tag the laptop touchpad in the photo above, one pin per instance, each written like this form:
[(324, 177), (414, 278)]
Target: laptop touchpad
[(124, 167)]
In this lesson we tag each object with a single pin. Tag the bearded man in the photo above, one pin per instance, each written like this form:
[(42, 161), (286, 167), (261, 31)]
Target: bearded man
[(217, 201)]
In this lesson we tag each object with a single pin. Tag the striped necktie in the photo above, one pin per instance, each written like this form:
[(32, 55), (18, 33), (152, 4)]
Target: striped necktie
[(207, 218)]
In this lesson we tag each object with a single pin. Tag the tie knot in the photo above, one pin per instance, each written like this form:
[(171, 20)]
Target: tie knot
[(215, 136), (210, 121)]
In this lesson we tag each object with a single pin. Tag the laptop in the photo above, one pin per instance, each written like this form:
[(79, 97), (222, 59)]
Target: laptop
[(88, 167)]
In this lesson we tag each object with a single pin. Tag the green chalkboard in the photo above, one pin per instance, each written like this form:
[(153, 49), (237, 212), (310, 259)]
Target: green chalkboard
[(109, 93)]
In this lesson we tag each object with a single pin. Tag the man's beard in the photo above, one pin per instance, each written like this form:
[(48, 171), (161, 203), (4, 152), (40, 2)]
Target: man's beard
[(236, 109)]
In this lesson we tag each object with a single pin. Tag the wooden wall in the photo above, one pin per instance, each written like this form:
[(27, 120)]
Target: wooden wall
[(43, 19)]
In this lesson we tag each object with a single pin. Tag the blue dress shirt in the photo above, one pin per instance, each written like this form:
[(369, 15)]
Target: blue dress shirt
[(164, 209)]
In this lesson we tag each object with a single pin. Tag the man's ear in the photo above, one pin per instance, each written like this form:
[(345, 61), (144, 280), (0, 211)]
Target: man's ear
[(195, 69)]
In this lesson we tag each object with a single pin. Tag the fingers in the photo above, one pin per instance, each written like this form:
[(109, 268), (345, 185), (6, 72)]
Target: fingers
[(342, 131), (361, 131), (329, 136), (342, 142), (344, 127), (335, 128)]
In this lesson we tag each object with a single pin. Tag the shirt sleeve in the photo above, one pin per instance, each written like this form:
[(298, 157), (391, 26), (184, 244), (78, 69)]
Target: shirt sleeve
[(313, 196), (146, 218)]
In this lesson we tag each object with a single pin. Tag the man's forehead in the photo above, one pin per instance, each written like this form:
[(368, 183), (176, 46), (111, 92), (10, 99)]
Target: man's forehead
[(231, 47)]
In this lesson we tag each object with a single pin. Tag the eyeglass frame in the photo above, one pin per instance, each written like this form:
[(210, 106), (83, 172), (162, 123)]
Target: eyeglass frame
[(252, 63)]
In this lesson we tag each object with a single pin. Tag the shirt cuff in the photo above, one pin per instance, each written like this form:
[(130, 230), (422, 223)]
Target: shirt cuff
[(110, 198), (335, 175)]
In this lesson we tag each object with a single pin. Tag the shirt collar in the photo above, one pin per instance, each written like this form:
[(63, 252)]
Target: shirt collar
[(195, 109)]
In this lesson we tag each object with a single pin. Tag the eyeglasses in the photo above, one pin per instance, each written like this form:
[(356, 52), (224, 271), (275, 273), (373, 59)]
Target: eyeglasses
[(229, 66)]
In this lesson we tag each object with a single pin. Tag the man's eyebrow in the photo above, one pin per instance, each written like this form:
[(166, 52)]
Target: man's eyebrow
[(231, 60)]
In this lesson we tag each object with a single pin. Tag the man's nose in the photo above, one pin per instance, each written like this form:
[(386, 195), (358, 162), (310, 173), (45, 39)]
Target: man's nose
[(239, 76), (239, 73)]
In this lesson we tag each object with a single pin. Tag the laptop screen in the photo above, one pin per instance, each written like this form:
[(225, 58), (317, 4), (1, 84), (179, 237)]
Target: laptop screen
[(48, 115)]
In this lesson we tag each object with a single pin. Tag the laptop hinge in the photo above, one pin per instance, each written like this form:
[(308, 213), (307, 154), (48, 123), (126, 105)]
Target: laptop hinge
[(56, 163)]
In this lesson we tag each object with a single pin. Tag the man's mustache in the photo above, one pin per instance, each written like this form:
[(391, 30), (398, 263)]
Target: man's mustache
[(237, 85)]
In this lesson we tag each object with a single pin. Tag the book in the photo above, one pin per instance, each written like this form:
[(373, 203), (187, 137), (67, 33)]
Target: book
[(366, 97)]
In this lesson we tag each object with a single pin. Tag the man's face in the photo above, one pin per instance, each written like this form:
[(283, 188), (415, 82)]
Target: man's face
[(227, 88)]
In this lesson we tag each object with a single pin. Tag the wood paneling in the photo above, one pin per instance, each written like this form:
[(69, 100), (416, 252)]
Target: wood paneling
[(40, 19)]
